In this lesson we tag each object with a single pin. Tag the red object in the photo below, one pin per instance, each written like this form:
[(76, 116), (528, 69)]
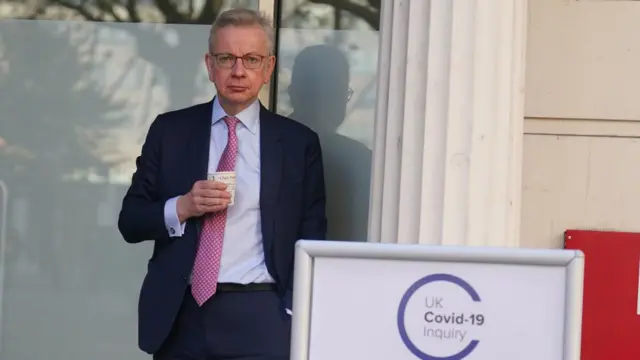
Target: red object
[(610, 320)]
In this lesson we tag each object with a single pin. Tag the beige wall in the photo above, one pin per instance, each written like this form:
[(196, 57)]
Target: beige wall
[(582, 132)]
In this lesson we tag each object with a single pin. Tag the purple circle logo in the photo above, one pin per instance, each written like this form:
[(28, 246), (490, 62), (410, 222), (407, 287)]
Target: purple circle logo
[(467, 319)]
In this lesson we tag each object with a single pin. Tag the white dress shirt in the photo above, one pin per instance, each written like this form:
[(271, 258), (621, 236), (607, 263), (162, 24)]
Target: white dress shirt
[(242, 253)]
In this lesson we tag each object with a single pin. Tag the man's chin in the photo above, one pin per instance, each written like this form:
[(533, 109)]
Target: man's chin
[(238, 97)]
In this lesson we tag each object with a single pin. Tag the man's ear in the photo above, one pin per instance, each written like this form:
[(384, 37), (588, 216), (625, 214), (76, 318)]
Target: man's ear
[(208, 64), (270, 68)]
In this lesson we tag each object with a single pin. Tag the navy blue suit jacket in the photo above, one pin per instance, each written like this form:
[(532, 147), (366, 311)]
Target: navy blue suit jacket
[(174, 156)]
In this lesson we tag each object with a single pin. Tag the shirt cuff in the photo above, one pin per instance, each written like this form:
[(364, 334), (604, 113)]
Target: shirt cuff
[(171, 221), (289, 312)]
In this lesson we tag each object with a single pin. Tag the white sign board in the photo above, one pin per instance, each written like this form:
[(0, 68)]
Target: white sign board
[(389, 301)]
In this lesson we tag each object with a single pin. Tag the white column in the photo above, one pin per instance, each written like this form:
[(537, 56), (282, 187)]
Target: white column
[(448, 137)]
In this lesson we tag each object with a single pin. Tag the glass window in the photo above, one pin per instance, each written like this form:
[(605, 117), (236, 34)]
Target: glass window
[(328, 51), (80, 82)]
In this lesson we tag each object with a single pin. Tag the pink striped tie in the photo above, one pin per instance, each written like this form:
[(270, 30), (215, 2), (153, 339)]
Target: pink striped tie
[(207, 264)]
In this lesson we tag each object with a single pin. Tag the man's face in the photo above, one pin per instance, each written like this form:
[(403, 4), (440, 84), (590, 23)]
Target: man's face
[(240, 83)]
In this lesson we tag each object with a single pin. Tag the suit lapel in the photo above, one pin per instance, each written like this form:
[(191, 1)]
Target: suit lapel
[(270, 173), (198, 149), (199, 141)]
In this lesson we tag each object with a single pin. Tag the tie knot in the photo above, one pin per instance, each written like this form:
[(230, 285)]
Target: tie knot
[(232, 122)]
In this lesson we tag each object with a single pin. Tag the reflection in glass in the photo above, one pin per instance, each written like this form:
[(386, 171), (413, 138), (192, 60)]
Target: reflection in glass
[(328, 52), (77, 98), (156, 11)]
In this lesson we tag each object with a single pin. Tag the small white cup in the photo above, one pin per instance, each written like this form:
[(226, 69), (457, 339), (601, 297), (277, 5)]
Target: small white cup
[(226, 177)]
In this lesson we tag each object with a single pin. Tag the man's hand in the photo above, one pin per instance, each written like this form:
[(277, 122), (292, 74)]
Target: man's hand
[(206, 196)]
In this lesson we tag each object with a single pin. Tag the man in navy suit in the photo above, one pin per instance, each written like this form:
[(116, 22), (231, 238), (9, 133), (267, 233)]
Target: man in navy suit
[(219, 282)]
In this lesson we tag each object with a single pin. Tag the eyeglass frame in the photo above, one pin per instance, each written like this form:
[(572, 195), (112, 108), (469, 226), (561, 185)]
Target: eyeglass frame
[(235, 60)]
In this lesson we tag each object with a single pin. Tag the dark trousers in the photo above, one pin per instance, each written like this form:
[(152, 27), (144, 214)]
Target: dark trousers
[(243, 325)]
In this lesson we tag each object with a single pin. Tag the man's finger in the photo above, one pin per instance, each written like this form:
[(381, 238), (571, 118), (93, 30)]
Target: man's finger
[(218, 194), (213, 185), (212, 201), (213, 208)]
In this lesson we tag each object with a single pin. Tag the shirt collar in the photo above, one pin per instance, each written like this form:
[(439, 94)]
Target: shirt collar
[(248, 117)]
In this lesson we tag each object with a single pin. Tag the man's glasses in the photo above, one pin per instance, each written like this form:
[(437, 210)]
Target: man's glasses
[(228, 61)]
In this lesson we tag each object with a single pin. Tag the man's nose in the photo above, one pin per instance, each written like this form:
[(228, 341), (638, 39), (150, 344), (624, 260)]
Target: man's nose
[(238, 68)]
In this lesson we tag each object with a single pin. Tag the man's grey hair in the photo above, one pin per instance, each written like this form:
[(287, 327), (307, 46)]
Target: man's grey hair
[(243, 18)]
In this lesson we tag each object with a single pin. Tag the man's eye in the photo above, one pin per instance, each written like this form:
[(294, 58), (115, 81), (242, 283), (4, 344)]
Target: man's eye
[(253, 59), (224, 58)]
